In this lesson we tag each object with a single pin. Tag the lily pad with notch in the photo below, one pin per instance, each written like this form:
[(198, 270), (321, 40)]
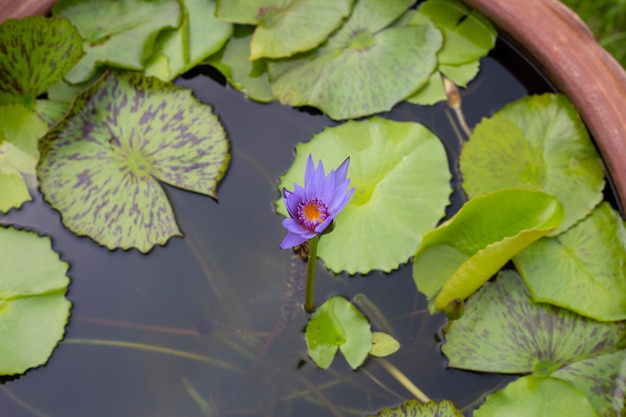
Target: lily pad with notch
[(414, 408), (400, 171), (101, 166)]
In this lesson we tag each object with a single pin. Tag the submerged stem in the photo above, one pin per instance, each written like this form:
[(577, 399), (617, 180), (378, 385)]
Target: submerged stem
[(402, 379), (309, 297)]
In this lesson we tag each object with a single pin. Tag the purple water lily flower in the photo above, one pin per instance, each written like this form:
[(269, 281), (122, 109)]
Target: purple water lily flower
[(313, 207)]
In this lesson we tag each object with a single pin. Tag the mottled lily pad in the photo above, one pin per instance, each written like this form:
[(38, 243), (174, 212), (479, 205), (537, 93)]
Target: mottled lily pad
[(365, 67), (413, 408), (537, 397), (20, 129), (249, 77), (285, 27), (504, 331), (101, 166), (401, 175), (455, 259), (33, 307), (119, 33), (337, 324), (536, 143), (200, 35), (54, 46), (581, 269)]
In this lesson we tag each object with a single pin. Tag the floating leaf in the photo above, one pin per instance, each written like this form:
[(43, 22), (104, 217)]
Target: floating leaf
[(53, 46), (20, 129), (401, 176), (250, 77), (504, 331), (455, 259), (285, 27), (118, 33), (200, 35), (33, 308), (365, 67), (100, 165), (51, 111), (413, 408), (536, 397), (566, 271), (338, 324), (383, 345), (536, 143)]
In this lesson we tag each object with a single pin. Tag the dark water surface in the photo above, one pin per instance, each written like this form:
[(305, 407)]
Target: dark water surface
[(219, 292)]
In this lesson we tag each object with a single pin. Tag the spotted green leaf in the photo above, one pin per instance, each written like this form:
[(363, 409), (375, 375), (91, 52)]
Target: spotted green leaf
[(566, 270), (33, 307), (365, 67), (53, 46), (504, 331), (119, 33), (20, 129), (455, 259), (101, 166), (285, 27), (536, 143), (537, 397), (401, 175), (338, 324), (414, 408), (200, 35)]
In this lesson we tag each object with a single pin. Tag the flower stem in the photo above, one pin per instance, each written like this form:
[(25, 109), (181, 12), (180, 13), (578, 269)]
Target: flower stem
[(309, 297)]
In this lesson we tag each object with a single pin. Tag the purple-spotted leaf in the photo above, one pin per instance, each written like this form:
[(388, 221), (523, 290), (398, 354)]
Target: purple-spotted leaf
[(101, 166), (53, 46), (413, 408)]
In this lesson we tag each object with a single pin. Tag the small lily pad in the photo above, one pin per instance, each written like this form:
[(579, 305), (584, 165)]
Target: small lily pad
[(54, 46), (402, 181), (536, 143), (338, 324), (383, 345), (455, 259), (200, 35), (537, 397), (33, 307), (117, 33), (414, 408), (101, 165), (581, 269), (285, 27), (365, 67)]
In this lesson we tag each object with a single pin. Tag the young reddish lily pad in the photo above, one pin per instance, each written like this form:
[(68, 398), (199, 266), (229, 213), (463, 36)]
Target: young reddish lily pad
[(536, 143), (365, 67), (33, 307), (455, 259), (504, 331), (581, 269), (285, 27), (414, 408), (402, 181), (53, 46), (101, 165), (117, 33)]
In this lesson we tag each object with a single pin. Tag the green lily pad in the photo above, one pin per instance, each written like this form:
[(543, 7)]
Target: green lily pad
[(581, 269), (33, 307), (414, 408), (338, 324), (249, 77), (200, 35), (54, 46), (365, 67), (537, 397), (383, 345), (51, 111), (536, 143), (455, 259), (101, 165), (402, 181), (285, 27), (504, 331), (119, 33), (20, 129)]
